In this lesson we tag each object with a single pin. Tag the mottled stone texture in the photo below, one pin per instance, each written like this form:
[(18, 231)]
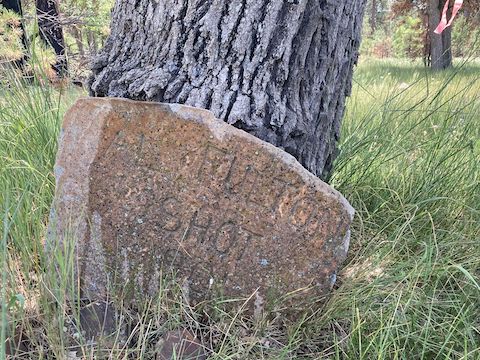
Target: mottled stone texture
[(180, 345), (278, 69), (146, 188)]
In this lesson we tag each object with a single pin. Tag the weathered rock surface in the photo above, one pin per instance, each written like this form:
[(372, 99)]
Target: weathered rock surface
[(98, 322), (145, 188), (180, 345)]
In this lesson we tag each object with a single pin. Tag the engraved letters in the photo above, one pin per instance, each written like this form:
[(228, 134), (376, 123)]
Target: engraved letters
[(169, 211), (219, 168), (225, 237), (215, 165)]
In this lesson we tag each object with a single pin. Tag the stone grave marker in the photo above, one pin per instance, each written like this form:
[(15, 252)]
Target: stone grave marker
[(146, 188)]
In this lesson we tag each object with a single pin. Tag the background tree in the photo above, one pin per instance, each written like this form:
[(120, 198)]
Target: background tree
[(378, 14), (438, 48), (51, 32), (87, 22), (376, 40), (373, 15), (81, 26), (277, 69)]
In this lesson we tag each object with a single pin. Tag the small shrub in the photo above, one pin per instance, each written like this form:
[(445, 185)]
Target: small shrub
[(10, 36), (465, 38), (378, 45), (408, 38)]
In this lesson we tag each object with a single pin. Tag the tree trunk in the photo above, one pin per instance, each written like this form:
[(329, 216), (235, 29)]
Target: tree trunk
[(92, 42), (77, 34), (427, 52), (440, 45), (91, 36), (51, 32), (373, 17), (277, 69), (16, 7)]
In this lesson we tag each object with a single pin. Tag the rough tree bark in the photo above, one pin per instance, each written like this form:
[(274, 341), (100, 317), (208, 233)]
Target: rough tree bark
[(278, 69), (51, 32), (440, 45)]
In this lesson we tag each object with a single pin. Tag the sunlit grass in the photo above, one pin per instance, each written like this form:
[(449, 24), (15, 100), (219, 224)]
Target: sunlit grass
[(409, 164)]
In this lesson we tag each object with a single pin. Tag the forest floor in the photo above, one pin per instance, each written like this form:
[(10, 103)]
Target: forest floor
[(410, 289)]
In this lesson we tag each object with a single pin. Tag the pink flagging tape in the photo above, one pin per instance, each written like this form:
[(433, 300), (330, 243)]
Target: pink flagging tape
[(443, 22)]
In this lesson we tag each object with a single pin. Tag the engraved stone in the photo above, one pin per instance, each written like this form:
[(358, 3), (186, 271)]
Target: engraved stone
[(147, 189)]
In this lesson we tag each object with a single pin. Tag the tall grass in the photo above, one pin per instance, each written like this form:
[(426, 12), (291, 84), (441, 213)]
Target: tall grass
[(30, 116), (409, 164)]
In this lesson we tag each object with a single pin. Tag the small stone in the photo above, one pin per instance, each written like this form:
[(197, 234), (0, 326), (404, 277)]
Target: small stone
[(264, 262), (180, 345), (97, 321)]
